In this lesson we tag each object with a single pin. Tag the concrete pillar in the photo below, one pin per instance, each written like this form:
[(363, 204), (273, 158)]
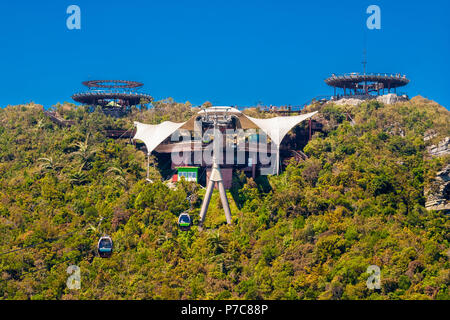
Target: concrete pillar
[(215, 177), (206, 200), (224, 200)]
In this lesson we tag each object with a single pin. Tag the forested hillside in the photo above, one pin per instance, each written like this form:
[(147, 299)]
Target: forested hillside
[(310, 233)]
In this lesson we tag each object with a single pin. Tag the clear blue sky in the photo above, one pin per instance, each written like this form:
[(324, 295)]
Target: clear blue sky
[(228, 52)]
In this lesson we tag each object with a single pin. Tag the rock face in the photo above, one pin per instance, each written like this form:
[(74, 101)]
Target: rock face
[(428, 135), (354, 101), (438, 193), (390, 98), (440, 149)]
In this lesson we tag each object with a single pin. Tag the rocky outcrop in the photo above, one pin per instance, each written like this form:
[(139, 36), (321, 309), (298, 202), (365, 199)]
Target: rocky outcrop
[(350, 101), (438, 194), (390, 98), (441, 149), (429, 134)]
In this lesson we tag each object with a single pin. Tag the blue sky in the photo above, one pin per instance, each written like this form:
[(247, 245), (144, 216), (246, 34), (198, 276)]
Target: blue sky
[(227, 52)]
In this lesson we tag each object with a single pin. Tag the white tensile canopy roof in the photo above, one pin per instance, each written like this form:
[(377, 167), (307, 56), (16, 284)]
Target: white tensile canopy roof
[(153, 134), (276, 128)]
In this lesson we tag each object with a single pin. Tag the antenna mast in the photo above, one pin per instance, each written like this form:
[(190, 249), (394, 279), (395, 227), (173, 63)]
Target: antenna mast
[(364, 62)]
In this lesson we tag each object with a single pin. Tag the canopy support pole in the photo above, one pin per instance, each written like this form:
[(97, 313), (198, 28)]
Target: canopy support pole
[(148, 166), (278, 160), (309, 127)]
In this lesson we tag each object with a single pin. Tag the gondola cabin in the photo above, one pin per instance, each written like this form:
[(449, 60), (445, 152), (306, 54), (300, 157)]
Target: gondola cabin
[(184, 222), (105, 247)]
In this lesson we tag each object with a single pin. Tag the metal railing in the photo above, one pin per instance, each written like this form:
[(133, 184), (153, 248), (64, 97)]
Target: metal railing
[(357, 74)]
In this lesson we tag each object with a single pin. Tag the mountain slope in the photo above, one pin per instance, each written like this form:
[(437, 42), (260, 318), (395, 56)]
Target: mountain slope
[(357, 201)]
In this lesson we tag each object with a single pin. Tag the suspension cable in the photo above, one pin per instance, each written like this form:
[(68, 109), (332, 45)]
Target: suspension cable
[(36, 244), (53, 239), (58, 263), (46, 240)]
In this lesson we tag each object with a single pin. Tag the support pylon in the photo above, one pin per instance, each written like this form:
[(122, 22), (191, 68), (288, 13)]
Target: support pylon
[(215, 177)]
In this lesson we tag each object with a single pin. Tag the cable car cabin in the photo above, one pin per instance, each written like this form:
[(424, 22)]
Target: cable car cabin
[(105, 247), (184, 222)]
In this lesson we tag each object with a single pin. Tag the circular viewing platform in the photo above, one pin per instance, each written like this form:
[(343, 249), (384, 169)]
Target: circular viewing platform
[(115, 96), (365, 84), (103, 98), (351, 80)]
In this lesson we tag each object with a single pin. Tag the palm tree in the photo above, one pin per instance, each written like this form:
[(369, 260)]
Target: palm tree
[(117, 174), (164, 237), (95, 229), (216, 243), (40, 123), (83, 151), (78, 177), (48, 164)]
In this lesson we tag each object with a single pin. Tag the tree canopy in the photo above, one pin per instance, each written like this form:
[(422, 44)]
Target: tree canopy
[(309, 233)]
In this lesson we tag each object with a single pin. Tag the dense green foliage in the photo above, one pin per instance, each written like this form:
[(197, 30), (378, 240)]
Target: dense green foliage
[(309, 233)]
